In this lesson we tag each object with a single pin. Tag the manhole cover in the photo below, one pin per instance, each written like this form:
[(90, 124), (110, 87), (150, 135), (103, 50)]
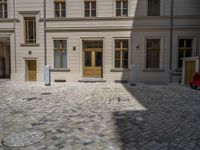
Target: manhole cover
[(24, 138)]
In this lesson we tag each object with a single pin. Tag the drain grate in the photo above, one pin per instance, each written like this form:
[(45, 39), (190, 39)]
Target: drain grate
[(45, 93), (22, 139)]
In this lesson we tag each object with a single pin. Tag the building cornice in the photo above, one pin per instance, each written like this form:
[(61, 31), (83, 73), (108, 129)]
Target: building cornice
[(122, 28), (117, 18), (7, 20), (6, 30)]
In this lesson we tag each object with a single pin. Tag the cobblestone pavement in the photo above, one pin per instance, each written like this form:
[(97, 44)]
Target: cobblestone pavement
[(102, 116)]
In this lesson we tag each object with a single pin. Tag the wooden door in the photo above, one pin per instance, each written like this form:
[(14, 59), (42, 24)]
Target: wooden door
[(190, 70), (92, 62), (31, 70)]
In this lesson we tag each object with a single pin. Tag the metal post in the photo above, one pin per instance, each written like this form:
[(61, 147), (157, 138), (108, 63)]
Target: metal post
[(15, 36), (45, 44), (171, 40)]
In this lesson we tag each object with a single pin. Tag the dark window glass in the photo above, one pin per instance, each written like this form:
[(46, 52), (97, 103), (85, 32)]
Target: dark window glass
[(60, 9), (124, 63), (93, 5), (90, 8), (125, 5), (117, 63), (88, 59), (30, 29), (153, 7), (60, 53), (98, 59), (93, 13), (117, 54), (185, 50), (118, 5), (121, 53), (118, 12), (3, 9), (87, 5), (153, 53), (121, 7)]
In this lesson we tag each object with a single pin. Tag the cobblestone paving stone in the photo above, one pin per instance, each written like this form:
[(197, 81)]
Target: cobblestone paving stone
[(102, 116)]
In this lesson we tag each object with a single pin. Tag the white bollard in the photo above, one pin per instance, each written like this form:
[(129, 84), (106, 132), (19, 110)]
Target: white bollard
[(133, 75), (47, 78)]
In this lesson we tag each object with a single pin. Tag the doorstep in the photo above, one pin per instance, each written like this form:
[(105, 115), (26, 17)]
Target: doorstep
[(91, 80)]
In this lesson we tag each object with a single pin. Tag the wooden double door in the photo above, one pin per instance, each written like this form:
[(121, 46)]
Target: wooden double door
[(92, 62), (31, 70)]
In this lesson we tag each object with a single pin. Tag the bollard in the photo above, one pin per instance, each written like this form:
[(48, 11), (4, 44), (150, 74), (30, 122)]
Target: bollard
[(47, 78), (133, 75)]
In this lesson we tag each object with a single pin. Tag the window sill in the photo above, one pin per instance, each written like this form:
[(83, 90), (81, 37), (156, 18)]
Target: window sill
[(60, 70), (153, 70), (120, 70), (29, 45)]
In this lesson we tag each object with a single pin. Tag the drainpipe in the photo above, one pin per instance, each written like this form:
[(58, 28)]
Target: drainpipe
[(171, 40), (15, 37), (45, 42)]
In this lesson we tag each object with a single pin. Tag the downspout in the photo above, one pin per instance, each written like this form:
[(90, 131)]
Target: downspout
[(171, 41), (45, 42), (15, 37)]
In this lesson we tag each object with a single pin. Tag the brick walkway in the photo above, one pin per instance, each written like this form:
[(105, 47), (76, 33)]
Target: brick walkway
[(102, 116)]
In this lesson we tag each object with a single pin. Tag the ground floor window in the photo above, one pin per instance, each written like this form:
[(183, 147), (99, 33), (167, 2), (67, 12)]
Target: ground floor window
[(121, 53), (153, 53), (60, 54), (185, 50)]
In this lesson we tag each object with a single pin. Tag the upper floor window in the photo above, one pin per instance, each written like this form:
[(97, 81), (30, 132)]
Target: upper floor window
[(90, 8), (154, 8), (121, 7), (60, 8), (121, 53), (3, 9), (153, 53), (60, 53), (185, 50), (30, 29)]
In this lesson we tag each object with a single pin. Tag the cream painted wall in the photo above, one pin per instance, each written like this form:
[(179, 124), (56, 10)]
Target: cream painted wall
[(74, 27)]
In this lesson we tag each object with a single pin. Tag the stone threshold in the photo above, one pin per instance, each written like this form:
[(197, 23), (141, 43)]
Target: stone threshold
[(92, 80)]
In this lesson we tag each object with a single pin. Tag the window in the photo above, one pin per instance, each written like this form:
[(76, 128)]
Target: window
[(121, 53), (185, 50), (60, 53), (60, 10), (90, 8), (30, 29), (121, 7), (153, 7), (3, 9), (153, 53)]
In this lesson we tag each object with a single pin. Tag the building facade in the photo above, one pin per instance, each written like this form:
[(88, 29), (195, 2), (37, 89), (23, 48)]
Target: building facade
[(98, 39)]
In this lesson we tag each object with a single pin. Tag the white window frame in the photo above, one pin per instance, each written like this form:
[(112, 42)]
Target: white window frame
[(60, 38), (161, 67), (194, 47), (83, 8), (65, 7), (129, 51), (114, 9)]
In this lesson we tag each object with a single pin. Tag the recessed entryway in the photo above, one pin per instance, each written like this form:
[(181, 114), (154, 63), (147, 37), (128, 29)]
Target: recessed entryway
[(93, 58), (31, 70)]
